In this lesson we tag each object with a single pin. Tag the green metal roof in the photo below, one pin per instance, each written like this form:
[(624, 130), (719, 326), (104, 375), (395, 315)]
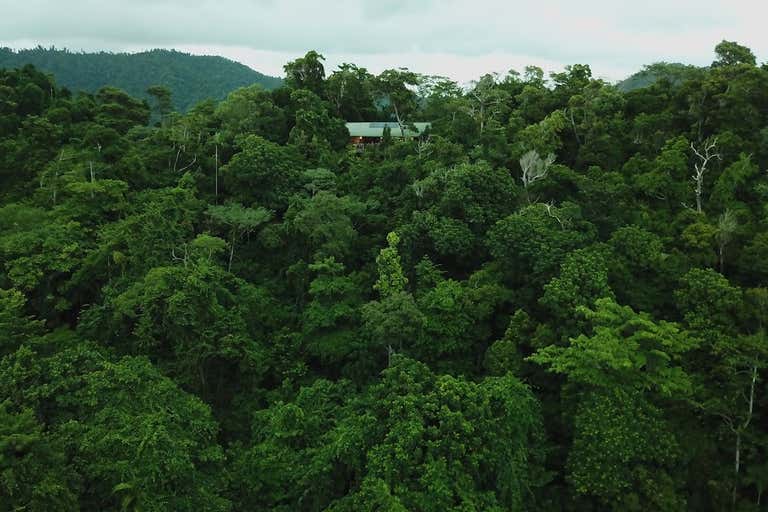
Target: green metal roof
[(377, 129)]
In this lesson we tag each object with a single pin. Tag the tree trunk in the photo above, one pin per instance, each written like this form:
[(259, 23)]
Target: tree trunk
[(90, 164), (739, 430), (573, 126), (216, 166), (399, 120), (698, 193), (232, 250), (737, 466)]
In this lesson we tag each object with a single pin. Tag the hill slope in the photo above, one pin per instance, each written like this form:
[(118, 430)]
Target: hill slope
[(675, 72), (191, 78)]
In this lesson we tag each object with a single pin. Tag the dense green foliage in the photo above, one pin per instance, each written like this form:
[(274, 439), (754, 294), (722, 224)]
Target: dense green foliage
[(191, 78), (554, 301)]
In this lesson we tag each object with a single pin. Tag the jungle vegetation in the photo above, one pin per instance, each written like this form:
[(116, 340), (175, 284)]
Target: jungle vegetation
[(554, 301)]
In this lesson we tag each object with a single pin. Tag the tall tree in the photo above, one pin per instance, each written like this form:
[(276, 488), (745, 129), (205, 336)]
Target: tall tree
[(306, 72), (396, 90)]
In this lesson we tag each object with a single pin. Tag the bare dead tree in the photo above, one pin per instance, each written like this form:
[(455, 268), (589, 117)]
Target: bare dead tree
[(534, 168), (706, 153)]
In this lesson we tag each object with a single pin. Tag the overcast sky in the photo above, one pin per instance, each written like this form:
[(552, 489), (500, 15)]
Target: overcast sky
[(459, 39)]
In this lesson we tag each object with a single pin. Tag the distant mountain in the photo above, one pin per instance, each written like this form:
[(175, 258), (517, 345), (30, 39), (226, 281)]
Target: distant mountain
[(191, 78), (675, 72)]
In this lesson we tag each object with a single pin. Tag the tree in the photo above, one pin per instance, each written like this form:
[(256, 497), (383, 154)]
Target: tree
[(532, 243), (202, 325), (542, 136), (117, 110), (306, 72), (315, 132), (506, 355), (664, 181), (534, 167), (412, 441), (262, 172), (728, 387), (453, 209), (738, 374), (726, 227), (331, 318), (443, 103), (596, 117), (33, 469), (708, 303), (395, 87), (704, 154), (15, 326), (251, 110), (390, 326), (163, 103), (699, 241), (736, 189), (456, 315), (730, 53), (350, 91), (326, 224), (623, 368), (582, 280), (241, 221), (391, 278), (625, 453), (639, 269), (624, 349), (42, 253), (157, 223), (486, 100), (117, 432)]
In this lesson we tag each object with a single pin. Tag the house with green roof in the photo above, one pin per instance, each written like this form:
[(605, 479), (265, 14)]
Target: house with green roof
[(371, 133)]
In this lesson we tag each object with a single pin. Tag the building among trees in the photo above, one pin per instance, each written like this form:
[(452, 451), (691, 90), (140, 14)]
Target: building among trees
[(372, 133)]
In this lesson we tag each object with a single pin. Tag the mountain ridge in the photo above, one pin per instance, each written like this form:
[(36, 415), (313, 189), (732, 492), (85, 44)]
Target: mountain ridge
[(191, 78)]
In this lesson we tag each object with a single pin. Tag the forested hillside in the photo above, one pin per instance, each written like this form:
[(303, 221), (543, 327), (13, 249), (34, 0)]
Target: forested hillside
[(674, 72), (556, 301), (191, 78)]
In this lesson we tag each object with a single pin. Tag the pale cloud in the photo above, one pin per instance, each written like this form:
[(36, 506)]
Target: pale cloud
[(460, 39)]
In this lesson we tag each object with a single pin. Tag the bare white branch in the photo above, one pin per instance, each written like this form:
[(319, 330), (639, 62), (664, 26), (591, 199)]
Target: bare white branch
[(534, 167), (705, 154)]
